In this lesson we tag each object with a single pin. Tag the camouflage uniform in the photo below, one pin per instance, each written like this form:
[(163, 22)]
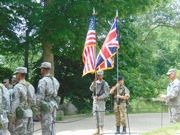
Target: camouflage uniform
[(4, 108), (173, 100), (47, 91), (11, 125), (24, 98), (120, 110), (101, 88)]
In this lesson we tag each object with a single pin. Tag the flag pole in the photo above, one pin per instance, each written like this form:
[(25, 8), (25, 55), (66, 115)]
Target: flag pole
[(97, 116), (94, 13), (117, 53), (117, 81)]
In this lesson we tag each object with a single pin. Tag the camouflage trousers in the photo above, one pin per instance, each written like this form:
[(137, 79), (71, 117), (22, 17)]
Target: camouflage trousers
[(47, 125), (99, 118), (99, 112), (120, 112), (174, 114), (4, 130), (23, 126), (11, 128)]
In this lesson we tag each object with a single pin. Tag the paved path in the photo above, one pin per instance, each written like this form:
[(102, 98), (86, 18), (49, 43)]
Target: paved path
[(139, 123)]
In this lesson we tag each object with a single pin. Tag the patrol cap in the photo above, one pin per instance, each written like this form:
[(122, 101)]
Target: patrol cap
[(13, 78), (171, 71), (120, 78), (46, 65), (100, 73), (5, 80), (22, 70)]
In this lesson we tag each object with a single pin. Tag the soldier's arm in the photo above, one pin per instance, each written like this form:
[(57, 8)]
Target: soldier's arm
[(57, 85), (7, 96), (173, 93), (106, 92), (41, 91), (32, 95), (15, 101), (93, 86), (113, 90), (127, 93)]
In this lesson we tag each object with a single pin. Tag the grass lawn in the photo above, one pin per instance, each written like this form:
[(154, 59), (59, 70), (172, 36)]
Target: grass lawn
[(169, 130), (141, 106)]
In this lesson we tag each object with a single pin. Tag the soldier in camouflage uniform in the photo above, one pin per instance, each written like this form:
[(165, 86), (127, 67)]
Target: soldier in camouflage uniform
[(11, 125), (24, 98), (173, 96), (122, 94), (100, 89), (48, 88), (7, 84), (4, 108)]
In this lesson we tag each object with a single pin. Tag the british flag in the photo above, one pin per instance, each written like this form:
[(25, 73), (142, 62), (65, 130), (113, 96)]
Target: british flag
[(109, 49), (89, 53), (108, 64)]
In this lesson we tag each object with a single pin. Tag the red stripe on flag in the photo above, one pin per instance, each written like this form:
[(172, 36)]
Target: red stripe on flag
[(105, 52), (91, 38), (91, 33), (110, 36), (90, 43)]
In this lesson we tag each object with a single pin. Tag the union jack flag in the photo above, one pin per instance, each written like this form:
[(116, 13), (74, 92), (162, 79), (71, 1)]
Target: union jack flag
[(108, 64), (89, 53), (109, 49)]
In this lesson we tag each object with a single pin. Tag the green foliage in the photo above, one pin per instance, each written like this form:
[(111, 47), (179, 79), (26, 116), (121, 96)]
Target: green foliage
[(5, 73), (146, 106), (73, 87)]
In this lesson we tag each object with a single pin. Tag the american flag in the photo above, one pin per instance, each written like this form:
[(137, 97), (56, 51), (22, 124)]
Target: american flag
[(109, 48), (89, 53)]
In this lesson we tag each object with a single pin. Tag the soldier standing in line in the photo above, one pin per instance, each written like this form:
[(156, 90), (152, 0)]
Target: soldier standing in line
[(24, 98), (11, 125), (100, 89), (121, 94), (47, 97), (173, 96), (4, 108), (7, 84)]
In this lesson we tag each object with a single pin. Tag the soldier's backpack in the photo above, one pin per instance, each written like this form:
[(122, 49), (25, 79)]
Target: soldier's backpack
[(44, 107), (34, 108), (20, 113), (26, 84)]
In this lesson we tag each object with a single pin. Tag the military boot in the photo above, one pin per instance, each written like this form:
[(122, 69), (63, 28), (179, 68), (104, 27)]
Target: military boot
[(101, 130), (97, 132), (117, 130), (124, 130)]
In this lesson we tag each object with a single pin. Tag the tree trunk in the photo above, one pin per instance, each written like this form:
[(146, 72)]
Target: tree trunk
[(47, 47), (26, 52), (26, 58), (48, 55)]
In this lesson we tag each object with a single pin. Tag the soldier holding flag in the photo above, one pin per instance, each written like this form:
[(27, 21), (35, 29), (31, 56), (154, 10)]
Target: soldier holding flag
[(100, 89), (103, 61), (121, 94)]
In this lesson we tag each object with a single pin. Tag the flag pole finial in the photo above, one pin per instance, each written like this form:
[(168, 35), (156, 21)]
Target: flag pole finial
[(117, 13), (94, 11)]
